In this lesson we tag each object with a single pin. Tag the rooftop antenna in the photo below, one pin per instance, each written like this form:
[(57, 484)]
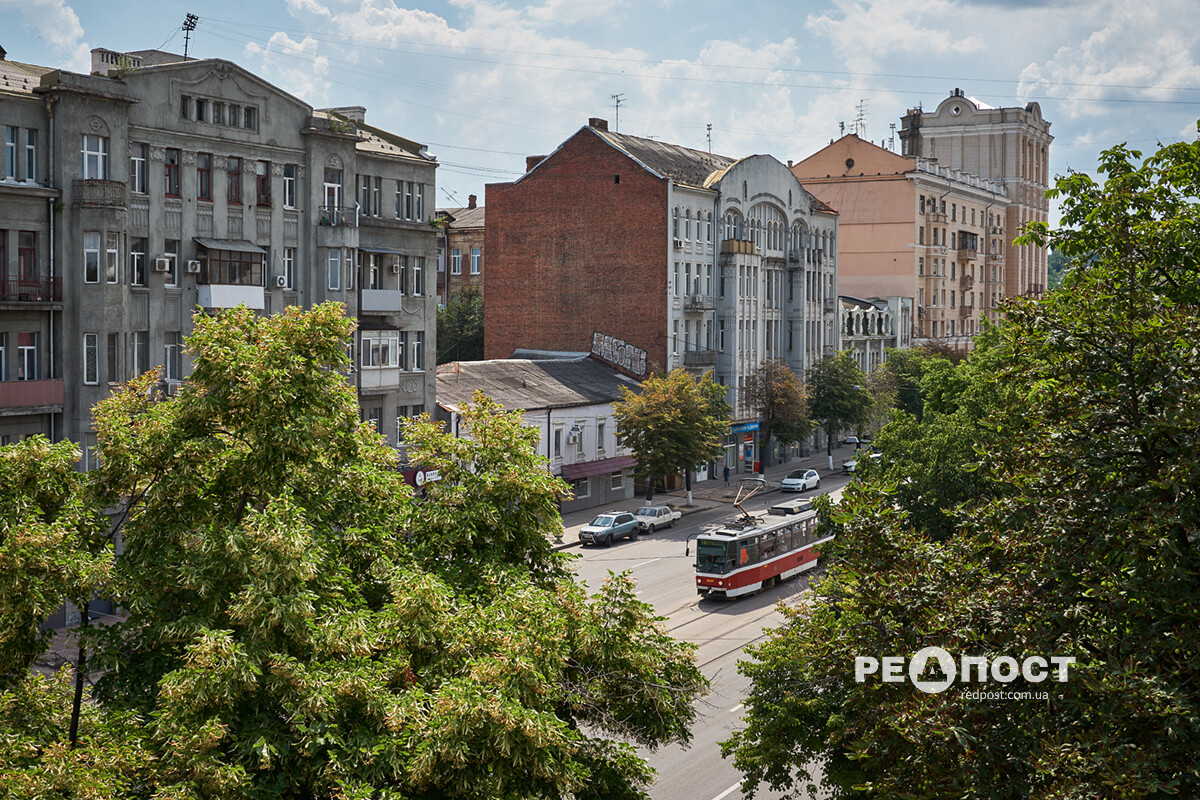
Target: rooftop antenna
[(860, 119), (841, 129), (617, 100), (451, 195), (708, 127), (892, 139), (189, 25)]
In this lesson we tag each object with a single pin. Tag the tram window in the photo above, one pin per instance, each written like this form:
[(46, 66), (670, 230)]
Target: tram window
[(713, 556)]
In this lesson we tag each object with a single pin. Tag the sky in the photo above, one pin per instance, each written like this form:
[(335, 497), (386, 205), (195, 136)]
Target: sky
[(484, 83)]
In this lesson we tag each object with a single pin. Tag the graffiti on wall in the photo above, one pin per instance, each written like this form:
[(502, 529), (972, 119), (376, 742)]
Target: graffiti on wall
[(619, 353)]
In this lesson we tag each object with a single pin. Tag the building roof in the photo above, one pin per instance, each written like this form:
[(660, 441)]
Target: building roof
[(524, 384), (19, 78), (465, 217), (377, 140), (681, 164)]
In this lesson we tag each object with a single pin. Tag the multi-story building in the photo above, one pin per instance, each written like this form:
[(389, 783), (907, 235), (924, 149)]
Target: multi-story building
[(568, 398), (668, 256), (157, 185), (460, 248), (869, 328), (912, 228), (1007, 145)]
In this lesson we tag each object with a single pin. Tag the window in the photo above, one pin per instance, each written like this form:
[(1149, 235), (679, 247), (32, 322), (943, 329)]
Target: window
[(137, 261), (114, 375), (380, 349), (171, 174), (26, 255), (476, 261), (418, 350), (289, 268), (921, 235), (201, 110), (262, 183), (218, 113), (185, 107), (579, 488), (3, 355), (173, 356), (10, 152), (403, 274), (558, 442), (601, 427), (617, 481), (112, 257), (920, 265), (402, 351), (30, 155), (138, 182), (95, 157), (364, 193), (91, 457), (335, 268), (250, 118), (141, 352), (408, 200), (204, 176), (420, 201), (675, 223), (171, 251), (418, 275), (374, 279), (91, 257), (27, 356), (456, 261), (289, 185), (333, 189), (91, 358), (233, 180), (376, 195), (418, 409), (235, 116)]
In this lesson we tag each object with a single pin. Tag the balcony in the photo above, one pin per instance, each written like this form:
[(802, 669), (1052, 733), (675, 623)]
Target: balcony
[(935, 216), (31, 397), (388, 301), (31, 290), (226, 295), (91, 193), (966, 282), (699, 358), (339, 216), (966, 254), (966, 312), (699, 302)]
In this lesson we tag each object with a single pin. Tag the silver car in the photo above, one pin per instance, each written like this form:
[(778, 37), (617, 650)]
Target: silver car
[(801, 480)]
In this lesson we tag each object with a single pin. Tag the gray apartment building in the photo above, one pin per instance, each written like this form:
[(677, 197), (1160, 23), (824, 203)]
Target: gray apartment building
[(156, 186)]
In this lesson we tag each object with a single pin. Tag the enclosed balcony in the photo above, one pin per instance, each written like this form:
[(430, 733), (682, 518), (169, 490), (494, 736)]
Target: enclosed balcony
[(231, 274), (31, 397), (93, 193), (31, 290)]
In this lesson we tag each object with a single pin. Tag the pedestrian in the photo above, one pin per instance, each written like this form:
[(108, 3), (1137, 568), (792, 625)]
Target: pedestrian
[(726, 474)]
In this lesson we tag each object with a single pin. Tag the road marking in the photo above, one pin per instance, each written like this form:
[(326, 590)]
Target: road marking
[(727, 792), (644, 563), (737, 708)]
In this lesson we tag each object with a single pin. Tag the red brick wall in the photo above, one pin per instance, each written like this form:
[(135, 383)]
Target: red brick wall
[(570, 251)]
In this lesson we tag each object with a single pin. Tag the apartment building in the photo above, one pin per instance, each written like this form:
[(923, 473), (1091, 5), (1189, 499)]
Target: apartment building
[(157, 185), (667, 256), (460, 248), (913, 228), (1007, 145)]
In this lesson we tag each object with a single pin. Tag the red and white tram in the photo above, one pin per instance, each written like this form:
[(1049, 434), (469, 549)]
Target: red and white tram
[(756, 551)]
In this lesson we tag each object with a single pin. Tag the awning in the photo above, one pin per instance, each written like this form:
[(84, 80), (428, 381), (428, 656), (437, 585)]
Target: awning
[(574, 472), (234, 245), (384, 250)]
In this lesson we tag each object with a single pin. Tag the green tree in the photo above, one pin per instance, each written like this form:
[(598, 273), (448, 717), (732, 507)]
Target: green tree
[(906, 368), (460, 327), (881, 385), (1089, 552), (781, 403), (299, 626), (837, 396), (671, 425)]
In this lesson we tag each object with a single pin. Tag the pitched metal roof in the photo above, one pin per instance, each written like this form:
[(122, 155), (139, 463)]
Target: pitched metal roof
[(19, 78), (680, 164), (465, 217), (527, 385)]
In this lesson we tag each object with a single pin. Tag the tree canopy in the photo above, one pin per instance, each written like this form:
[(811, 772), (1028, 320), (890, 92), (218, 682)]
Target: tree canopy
[(837, 394), (672, 424), (460, 327), (781, 401), (299, 625), (1081, 544)]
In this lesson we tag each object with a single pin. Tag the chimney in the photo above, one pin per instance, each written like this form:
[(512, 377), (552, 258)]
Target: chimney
[(3, 54), (598, 124), (533, 161), (471, 201), (352, 113)]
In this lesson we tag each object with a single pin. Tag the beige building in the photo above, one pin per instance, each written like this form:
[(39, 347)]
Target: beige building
[(1010, 145), (911, 228)]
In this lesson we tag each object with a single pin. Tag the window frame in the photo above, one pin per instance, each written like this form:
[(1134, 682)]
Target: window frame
[(92, 241), (97, 156), (91, 359)]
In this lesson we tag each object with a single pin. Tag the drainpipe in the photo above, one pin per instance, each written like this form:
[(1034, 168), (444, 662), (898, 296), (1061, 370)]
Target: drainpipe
[(50, 209)]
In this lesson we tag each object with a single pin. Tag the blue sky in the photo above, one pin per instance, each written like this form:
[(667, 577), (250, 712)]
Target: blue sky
[(485, 83)]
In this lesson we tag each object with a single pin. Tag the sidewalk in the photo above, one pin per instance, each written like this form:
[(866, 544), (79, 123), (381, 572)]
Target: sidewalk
[(705, 494)]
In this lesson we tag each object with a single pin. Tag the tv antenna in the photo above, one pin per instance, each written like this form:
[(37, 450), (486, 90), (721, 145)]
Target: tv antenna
[(860, 119), (617, 100), (892, 139), (708, 128), (189, 25)]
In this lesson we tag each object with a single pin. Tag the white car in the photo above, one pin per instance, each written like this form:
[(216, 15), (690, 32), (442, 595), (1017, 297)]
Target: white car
[(651, 518), (801, 480)]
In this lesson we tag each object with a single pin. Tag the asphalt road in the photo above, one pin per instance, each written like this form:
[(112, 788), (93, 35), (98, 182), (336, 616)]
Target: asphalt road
[(720, 629)]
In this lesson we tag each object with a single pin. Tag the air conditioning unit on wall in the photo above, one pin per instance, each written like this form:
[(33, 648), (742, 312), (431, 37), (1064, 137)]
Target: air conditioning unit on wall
[(281, 281), (162, 265), (193, 267)]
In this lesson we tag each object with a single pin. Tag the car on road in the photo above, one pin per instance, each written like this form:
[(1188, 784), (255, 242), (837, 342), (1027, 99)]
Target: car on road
[(848, 466), (800, 480), (609, 526), (651, 518)]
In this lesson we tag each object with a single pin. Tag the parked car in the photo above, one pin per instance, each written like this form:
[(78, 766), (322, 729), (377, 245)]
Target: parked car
[(800, 480), (651, 518), (848, 466), (609, 526), (852, 440)]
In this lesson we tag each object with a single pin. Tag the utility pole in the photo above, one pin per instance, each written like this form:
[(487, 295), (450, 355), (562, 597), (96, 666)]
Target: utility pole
[(189, 25), (617, 100)]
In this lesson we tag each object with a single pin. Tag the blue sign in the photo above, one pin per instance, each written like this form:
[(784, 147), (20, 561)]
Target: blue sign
[(744, 427)]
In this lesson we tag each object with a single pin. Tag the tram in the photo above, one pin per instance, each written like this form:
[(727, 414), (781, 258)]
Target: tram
[(755, 551)]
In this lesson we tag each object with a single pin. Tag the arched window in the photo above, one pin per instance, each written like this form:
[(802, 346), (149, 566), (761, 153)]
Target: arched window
[(708, 229), (675, 224), (687, 224)]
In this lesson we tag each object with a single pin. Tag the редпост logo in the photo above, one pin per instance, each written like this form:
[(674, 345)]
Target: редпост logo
[(1004, 669)]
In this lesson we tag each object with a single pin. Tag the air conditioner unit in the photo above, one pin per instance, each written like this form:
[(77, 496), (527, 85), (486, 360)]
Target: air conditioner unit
[(173, 389), (678, 243), (395, 269), (281, 281), (162, 265), (193, 267)]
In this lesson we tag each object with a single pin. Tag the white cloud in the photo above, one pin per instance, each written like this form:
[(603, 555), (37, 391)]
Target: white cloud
[(56, 23), (294, 66), (866, 31)]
